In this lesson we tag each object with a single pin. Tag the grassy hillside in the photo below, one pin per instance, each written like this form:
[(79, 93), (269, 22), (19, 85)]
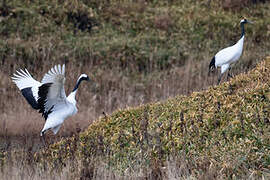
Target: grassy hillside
[(225, 127)]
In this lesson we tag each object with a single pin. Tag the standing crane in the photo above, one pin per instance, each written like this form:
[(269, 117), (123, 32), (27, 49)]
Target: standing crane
[(48, 96), (229, 55)]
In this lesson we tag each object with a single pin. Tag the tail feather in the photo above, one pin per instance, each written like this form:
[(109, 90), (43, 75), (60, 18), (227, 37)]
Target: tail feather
[(212, 63)]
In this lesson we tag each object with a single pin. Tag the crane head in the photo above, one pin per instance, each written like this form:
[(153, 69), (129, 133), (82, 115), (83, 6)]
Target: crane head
[(84, 77), (244, 21)]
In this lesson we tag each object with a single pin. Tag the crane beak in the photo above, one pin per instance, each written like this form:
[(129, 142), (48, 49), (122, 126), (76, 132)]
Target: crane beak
[(250, 22), (87, 79)]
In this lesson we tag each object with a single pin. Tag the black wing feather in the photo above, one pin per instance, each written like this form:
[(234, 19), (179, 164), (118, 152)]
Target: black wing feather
[(28, 94), (42, 93)]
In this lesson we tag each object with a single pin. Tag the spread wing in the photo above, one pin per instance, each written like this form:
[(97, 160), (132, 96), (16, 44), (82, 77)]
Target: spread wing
[(28, 86), (52, 93)]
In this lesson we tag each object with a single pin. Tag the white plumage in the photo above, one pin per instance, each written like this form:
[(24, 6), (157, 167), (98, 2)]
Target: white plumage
[(24, 80), (225, 57), (48, 96)]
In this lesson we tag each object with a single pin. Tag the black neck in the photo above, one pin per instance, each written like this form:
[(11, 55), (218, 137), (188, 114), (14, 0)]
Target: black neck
[(243, 30), (77, 84)]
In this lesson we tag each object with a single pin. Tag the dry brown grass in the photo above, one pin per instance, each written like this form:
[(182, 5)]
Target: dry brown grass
[(172, 169)]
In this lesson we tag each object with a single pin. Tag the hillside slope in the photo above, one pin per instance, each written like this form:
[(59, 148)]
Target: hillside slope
[(225, 127)]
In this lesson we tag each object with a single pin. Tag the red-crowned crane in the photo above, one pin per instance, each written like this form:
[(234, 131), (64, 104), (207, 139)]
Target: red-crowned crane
[(48, 96), (229, 55)]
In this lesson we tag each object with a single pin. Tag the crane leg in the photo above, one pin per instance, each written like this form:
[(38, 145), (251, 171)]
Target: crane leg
[(229, 74), (43, 139), (219, 78)]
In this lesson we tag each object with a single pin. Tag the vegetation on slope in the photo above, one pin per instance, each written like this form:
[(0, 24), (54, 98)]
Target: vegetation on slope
[(226, 127)]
